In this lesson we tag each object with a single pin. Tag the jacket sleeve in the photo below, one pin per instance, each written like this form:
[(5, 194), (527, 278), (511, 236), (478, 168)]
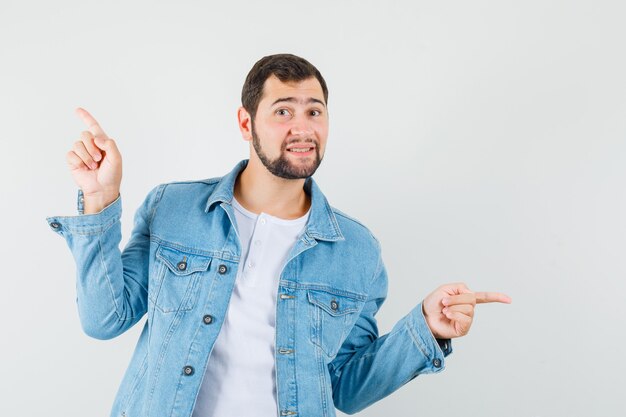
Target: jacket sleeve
[(111, 287), (368, 368)]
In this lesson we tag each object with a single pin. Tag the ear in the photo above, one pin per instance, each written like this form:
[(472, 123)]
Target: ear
[(244, 122)]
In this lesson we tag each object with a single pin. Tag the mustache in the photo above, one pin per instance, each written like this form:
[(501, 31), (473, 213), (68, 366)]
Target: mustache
[(293, 141)]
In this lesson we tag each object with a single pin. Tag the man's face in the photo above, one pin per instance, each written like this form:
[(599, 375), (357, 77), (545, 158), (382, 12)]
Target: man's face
[(290, 127)]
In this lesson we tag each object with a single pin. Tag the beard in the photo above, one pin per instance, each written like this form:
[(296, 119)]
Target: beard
[(282, 167)]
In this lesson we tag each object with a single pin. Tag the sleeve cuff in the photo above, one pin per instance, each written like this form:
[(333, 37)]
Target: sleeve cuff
[(87, 224), (435, 349)]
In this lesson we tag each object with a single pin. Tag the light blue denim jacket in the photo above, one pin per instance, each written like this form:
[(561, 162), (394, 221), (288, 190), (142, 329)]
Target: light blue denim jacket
[(179, 267)]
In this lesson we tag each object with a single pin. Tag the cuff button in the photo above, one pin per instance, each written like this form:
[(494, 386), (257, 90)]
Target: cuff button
[(55, 225), (437, 363)]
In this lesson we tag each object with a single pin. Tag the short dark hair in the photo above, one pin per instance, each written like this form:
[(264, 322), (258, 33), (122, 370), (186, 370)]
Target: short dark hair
[(286, 67)]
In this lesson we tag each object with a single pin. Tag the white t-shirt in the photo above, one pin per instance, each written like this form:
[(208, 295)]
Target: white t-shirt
[(240, 379)]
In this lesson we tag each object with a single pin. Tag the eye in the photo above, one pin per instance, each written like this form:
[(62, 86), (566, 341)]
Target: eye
[(313, 112), (282, 112)]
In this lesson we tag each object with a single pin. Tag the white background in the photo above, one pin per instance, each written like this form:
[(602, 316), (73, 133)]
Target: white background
[(481, 141)]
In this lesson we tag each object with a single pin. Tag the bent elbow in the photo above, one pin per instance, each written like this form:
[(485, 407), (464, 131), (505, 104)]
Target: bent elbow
[(98, 331)]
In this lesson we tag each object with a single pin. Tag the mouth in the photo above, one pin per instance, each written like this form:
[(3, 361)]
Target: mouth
[(301, 150)]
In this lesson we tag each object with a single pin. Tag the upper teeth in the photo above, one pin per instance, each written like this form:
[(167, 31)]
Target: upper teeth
[(299, 149)]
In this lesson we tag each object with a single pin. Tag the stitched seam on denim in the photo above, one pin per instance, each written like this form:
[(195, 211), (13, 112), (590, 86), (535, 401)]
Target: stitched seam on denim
[(164, 346), (350, 218), (332, 290), (224, 255), (191, 295), (333, 220), (159, 194), (108, 279), (193, 264), (187, 361), (322, 306), (94, 229), (227, 239), (207, 301), (322, 379), (314, 298), (135, 383), (167, 267), (178, 387), (151, 296), (295, 363), (379, 269), (367, 355), (419, 342), (425, 342)]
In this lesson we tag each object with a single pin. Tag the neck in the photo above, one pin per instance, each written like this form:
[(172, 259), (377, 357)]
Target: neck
[(258, 190)]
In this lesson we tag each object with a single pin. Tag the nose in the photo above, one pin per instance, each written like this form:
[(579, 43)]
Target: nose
[(301, 127)]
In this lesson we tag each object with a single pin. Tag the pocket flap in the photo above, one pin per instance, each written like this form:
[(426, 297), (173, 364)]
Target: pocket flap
[(333, 303), (183, 263)]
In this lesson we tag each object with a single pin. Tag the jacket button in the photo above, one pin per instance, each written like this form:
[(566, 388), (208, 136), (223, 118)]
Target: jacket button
[(208, 319), (182, 265), (222, 269), (437, 363), (188, 370), (55, 225), (334, 305)]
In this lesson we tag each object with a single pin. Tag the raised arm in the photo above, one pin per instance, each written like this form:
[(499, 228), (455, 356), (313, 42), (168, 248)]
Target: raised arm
[(111, 286)]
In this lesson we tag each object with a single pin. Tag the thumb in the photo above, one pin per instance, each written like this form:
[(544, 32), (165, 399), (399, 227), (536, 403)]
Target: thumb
[(108, 145), (100, 142)]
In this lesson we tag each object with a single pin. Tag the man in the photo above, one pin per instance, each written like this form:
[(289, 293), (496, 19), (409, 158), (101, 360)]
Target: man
[(260, 296)]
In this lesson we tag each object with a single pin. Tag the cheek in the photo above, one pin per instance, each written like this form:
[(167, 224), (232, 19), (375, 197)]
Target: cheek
[(322, 142)]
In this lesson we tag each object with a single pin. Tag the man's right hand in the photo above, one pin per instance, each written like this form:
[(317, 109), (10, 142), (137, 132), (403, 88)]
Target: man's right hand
[(96, 165)]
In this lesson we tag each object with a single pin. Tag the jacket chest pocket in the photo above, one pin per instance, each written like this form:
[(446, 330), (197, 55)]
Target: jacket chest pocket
[(174, 286), (332, 315)]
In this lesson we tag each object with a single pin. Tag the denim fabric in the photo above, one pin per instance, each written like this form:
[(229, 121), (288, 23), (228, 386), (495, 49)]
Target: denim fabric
[(179, 267)]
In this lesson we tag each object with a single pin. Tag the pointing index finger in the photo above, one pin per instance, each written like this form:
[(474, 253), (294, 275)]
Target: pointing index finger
[(91, 123), (492, 297)]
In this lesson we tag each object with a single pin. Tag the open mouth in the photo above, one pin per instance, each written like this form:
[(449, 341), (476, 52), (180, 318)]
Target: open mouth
[(300, 150)]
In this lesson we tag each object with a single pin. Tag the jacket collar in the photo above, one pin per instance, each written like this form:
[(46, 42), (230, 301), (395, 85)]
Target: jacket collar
[(322, 223)]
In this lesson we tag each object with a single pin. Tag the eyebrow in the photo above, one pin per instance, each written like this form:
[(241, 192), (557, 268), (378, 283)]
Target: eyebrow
[(294, 100)]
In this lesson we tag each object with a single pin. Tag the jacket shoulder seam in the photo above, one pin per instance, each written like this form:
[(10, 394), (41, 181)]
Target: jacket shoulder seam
[(340, 213)]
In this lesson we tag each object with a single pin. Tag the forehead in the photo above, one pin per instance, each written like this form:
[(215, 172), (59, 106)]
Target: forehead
[(273, 88)]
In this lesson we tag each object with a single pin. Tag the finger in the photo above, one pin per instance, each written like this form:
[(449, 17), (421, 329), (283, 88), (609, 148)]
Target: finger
[(74, 161), (461, 321), (466, 309), (91, 123), (80, 150), (87, 138), (110, 148), (492, 297), (467, 298), (455, 288)]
